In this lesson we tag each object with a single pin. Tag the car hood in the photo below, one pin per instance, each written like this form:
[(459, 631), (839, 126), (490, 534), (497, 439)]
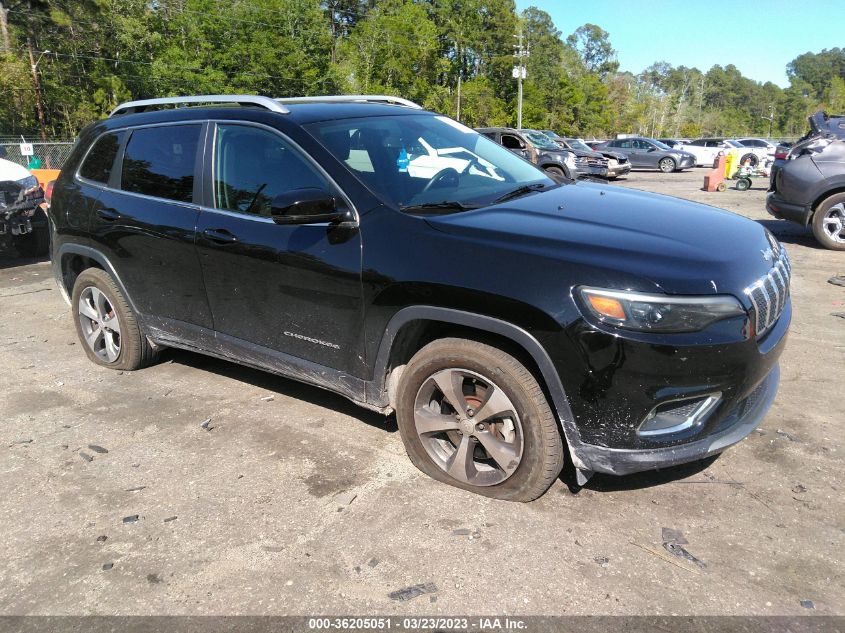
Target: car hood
[(614, 155), (678, 246)]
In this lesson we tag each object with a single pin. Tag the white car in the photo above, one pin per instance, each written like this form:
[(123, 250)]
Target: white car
[(705, 151), (21, 224), (759, 143)]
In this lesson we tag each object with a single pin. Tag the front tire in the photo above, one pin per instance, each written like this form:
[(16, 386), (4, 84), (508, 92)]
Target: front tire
[(474, 417), (829, 222), (106, 325), (557, 174), (667, 165)]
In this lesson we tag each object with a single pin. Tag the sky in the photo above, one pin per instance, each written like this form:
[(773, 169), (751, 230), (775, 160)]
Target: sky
[(759, 37)]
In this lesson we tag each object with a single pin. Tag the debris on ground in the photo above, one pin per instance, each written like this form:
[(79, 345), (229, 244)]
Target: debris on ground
[(107, 566), (169, 519), (98, 449), (102, 538), (841, 315), (131, 519), (268, 398), (135, 489), (345, 498), (26, 441), (678, 550), (783, 433), (206, 424), (808, 604), (414, 591), (461, 532), (373, 562), (86, 457), (671, 535), (837, 280), (799, 489), (683, 563), (603, 561)]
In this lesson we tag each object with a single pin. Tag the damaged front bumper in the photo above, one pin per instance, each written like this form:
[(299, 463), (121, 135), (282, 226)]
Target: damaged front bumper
[(744, 419)]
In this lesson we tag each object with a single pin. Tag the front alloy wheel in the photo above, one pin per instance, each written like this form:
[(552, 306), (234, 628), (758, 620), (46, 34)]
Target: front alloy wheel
[(468, 426), (667, 165)]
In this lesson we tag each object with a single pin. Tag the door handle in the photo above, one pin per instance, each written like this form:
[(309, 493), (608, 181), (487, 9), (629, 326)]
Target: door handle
[(108, 214), (221, 236)]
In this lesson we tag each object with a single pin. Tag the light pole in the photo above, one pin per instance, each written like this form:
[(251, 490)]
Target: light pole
[(519, 73), (39, 98)]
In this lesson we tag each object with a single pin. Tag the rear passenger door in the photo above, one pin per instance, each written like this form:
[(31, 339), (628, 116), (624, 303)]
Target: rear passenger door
[(145, 223), (294, 289)]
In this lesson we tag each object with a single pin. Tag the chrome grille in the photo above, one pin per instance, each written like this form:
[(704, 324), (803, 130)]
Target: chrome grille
[(768, 294)]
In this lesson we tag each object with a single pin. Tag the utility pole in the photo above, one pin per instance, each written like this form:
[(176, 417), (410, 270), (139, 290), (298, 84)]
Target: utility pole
[(519, 73), (5, 42), (770, 119), (36, 81)]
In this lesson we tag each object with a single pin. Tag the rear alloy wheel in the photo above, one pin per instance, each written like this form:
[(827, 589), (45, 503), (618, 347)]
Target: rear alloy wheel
[(829, 222), (666, 165), (107, 327), (473, 416)]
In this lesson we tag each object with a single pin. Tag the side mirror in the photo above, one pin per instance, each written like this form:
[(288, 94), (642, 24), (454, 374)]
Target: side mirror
[(306, 206)]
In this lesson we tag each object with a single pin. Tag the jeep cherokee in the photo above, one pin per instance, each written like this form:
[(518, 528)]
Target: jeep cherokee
[(507, 319)]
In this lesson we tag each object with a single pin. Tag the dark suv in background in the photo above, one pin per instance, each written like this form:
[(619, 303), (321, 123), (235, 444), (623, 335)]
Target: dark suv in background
[(808, 182), (542, 151), (505, 317)]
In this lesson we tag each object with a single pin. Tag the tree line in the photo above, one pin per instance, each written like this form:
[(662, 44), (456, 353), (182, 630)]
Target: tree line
[(65, 63)]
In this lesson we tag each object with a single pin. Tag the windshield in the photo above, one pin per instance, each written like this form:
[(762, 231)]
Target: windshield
[(540, 140), (422, 159)]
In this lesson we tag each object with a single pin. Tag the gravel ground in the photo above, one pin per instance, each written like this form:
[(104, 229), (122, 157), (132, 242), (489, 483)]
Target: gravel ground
[(294, 501)]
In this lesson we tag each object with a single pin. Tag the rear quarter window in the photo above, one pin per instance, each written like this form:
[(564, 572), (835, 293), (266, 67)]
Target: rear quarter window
[(159, 162), (98, 164)]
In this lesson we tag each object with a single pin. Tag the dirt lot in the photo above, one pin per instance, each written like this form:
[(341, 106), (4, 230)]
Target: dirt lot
[(256, 515)]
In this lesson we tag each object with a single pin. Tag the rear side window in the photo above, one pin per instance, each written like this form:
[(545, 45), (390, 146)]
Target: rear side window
[(98, 164), (159, 161)]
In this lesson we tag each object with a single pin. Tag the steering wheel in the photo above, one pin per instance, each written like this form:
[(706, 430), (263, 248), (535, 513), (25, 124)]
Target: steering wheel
[(440, 176)]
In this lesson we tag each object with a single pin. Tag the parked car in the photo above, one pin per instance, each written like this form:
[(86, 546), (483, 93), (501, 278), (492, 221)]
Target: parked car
[(674, 143), (808, 186), (539, 149), (647, 153), (503, 320), (617, 164), (706, 150), (759, 143), (23, 226)]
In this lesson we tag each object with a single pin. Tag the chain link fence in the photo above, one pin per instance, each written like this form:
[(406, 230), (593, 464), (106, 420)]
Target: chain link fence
[(52, 154)]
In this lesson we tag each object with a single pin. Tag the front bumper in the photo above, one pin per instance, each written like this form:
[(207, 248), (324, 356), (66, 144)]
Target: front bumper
[(747, 416), (783, 210), (583, 171), (618, 170), (687, 162)]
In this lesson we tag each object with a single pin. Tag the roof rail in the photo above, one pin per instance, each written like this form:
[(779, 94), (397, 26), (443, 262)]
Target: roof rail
[(352, 98), (139, 106)]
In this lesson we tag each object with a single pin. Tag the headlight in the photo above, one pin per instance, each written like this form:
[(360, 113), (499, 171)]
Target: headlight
[(28, 184), (657, 313)]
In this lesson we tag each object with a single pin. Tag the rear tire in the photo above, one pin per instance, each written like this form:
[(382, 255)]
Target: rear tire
[(752, 159), (106, 325), (515, 455), (829, 222)]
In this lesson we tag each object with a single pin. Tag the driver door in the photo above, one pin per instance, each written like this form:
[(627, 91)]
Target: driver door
[(290, 288)]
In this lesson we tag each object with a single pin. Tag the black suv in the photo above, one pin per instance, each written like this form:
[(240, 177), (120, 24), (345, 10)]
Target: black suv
[(503, 316), (808, 183)]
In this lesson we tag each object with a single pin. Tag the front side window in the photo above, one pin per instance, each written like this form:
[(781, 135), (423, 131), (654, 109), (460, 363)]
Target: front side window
[(159, 161), (512, 142), (459, 165), (252, 166), (98, 164)]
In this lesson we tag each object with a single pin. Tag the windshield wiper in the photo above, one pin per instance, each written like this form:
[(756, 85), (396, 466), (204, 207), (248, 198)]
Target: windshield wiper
[(519, 191), (445, 205)]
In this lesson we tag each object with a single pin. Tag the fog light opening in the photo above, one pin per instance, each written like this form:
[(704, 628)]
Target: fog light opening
[(678, 415)]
